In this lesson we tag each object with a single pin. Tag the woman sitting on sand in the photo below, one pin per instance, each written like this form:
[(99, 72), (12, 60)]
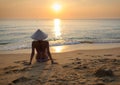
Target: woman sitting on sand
[(41, 47)]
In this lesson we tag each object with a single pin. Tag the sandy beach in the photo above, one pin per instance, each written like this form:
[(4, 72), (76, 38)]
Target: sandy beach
[(75, 67), (83, 37)]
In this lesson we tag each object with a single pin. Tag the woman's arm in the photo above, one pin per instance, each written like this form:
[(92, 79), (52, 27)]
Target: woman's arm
[(49, 54), (32, 53)]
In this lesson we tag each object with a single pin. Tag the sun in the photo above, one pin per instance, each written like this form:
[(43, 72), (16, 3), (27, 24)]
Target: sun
[(56, 7)]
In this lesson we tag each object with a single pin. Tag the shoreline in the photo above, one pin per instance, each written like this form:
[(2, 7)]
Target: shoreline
[(67, 48)]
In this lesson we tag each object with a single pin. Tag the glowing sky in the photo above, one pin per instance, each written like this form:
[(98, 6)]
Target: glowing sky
[(70, 9)]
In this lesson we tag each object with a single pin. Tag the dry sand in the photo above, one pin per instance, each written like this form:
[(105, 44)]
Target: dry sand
[(80, 67)]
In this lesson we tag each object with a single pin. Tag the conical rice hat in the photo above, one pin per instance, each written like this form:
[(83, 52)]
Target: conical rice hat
[(39, 35)]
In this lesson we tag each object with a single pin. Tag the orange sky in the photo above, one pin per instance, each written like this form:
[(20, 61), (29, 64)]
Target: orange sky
[(71, 9)]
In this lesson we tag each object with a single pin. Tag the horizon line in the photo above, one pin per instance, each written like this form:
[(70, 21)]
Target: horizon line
[(59, 18)]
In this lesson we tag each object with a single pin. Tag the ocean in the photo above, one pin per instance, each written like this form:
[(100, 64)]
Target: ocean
[(16, 34)]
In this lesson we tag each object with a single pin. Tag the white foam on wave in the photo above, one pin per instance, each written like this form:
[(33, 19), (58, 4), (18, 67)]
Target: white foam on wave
[(61, 42)]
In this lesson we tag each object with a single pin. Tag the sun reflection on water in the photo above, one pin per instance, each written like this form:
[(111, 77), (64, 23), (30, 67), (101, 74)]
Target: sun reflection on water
[(58, 49), (57, 32), (57, 28)]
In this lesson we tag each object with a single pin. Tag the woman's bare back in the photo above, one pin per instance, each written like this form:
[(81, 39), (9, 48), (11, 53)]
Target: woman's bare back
[(43, 51), (41, 48)]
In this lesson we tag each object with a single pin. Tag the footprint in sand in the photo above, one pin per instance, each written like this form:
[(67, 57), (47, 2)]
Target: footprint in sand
[(118, 55), (21, 79), (17, 68), (10, 67), (108, 55), (24, 62)]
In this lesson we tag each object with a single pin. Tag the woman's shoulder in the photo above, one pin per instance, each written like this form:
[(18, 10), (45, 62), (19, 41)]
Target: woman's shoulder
[(34, 41), (45, 41)]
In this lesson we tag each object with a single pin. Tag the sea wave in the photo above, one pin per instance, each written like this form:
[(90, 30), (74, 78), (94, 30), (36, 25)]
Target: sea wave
[(27, 45)]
